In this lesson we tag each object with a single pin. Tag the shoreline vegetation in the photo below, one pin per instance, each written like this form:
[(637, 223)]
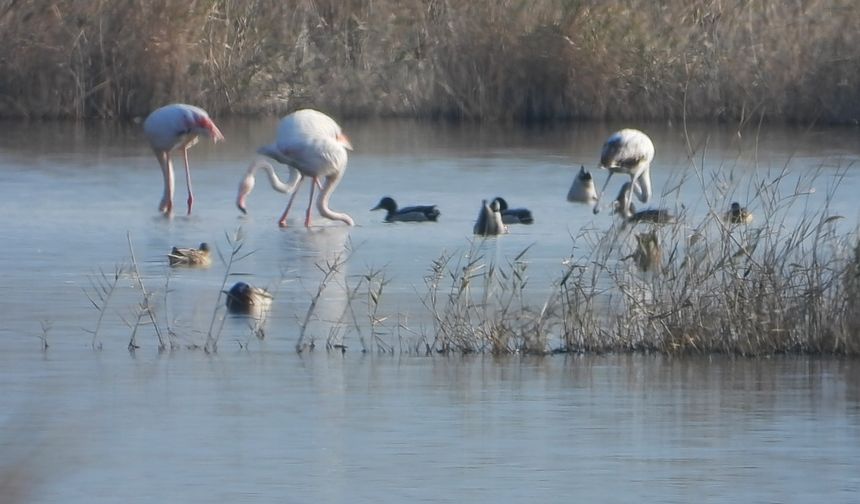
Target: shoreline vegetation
[(484, 60), (786, 283)]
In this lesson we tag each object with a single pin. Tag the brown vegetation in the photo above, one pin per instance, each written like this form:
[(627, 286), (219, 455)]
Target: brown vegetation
[(485, 59)]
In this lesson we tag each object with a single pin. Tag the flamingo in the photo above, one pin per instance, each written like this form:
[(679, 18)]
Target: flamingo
[(312, 145), (172, 127), (628, 151)]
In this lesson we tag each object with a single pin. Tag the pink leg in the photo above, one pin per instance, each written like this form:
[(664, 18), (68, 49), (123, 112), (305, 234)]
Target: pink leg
[(188, 179), (311, 202), (283, 221), (166, 205)]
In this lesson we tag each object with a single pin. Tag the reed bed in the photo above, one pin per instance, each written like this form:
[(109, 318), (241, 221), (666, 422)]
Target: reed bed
[(775, 286), (518, 60)]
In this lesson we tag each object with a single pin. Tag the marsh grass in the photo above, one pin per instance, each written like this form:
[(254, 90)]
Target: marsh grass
[(523, 60), (101, 289), (789, 282)]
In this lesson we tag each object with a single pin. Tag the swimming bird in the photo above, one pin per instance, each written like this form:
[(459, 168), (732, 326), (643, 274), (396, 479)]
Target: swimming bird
[(489, 222), (582, 189), (174, 127), (417, 213), (190, 256), (514, 215), (629, 213), (738, 214), (312, 144), (648, 254), (243, 298), (628, 151)]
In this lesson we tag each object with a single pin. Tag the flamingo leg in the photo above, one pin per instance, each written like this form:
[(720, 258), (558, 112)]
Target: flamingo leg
[(642, 184), (600, 195), (283, 220), (311, 202), (166, 205), (188, 177)]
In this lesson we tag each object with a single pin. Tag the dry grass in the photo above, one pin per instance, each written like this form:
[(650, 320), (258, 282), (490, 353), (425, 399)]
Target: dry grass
[(514, 59)]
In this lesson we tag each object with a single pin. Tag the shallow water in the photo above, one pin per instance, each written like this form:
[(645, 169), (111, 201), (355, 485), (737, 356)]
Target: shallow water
[(262, 424)]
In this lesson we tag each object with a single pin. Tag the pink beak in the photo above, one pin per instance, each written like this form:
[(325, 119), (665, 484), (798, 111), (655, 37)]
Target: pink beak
[(344, 141)]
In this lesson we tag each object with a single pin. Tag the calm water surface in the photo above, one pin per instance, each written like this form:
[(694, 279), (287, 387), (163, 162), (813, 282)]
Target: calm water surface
[(258, 423)]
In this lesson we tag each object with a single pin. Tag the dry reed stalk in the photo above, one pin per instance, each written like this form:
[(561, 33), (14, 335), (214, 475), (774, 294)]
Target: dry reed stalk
[(518, 60)]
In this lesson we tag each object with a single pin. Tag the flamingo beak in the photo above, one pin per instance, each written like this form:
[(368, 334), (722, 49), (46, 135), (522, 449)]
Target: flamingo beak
[(244, 189), (344, 140), (208, 125)]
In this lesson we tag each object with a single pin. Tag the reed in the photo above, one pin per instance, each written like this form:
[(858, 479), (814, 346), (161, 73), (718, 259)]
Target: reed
[(514, 60), (101, 290)]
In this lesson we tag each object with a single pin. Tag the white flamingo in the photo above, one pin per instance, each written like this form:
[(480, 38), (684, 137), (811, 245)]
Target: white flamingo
[(313, 145), (173, 127), (628, 151)]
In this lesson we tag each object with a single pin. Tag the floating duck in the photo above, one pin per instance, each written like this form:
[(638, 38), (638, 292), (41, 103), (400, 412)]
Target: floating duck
[(738, 214), (582, 190), (514, 215), (242, 298), (417, 213), (629, 213), (648, 254), (190, 256), (489, 221)]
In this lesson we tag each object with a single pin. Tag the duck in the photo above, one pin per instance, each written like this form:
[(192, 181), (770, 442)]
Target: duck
[(514, 215), (489, 222), (629, 213), (417, 213), (190, 256), (243, 298), (582, 190), (738, 214), (648, 254)]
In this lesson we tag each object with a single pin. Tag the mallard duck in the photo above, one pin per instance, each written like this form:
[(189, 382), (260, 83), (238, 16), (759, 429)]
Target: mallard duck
[(489, 221), (629, 213), (417, 213), (738, 214), (648, 254), (628, 151), (242, 298), (582, 189), (190, 256), (514, 215)]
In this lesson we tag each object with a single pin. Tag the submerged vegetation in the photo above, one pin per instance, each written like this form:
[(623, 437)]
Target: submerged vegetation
[(514, 59)]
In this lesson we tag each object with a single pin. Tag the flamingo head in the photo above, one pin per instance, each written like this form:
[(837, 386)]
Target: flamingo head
[(344, 140), (245, 187), (206, 124)]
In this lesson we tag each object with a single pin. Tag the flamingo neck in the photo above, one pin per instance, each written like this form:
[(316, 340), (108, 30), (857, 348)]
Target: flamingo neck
[(322, 201), (277, 183)]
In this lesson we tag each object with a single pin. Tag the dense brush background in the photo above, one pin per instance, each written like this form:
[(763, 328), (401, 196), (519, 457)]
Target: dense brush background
[(521, 60)]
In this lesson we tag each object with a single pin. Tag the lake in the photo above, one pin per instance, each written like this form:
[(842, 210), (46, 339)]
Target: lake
[(88, 421)]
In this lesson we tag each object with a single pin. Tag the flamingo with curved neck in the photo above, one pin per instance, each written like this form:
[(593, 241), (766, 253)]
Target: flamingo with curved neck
[(312, 145), (628, 151)]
